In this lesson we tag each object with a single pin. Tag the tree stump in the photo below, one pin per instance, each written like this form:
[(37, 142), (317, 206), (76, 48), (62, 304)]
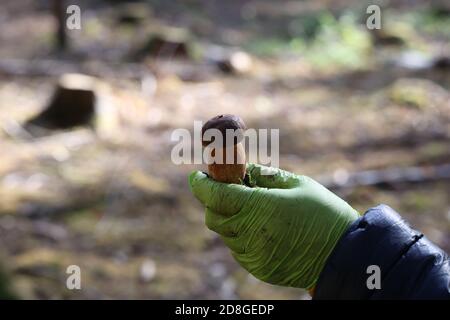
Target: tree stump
[(72, 104)]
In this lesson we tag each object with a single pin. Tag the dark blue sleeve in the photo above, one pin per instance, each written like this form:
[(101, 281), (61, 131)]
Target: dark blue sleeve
[(411, 266)]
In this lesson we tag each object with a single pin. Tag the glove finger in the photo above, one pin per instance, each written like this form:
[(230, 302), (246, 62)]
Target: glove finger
[(222, 198), (235, 244), (220, 224), (268, 177)]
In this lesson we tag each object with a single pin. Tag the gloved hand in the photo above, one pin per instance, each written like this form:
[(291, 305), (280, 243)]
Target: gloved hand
[(281, 231)]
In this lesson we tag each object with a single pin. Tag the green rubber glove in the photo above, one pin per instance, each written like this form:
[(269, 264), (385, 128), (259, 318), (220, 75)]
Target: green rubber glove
[(282, 230)]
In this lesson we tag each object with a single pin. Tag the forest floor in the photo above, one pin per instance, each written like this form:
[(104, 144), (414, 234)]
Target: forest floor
[(110, 199)]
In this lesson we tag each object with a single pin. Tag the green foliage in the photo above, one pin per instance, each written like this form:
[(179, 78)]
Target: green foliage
[(343, 41), (323, 40), (432, 21), (340, 42)]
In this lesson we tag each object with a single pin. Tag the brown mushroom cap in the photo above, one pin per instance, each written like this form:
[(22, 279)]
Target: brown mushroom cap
[(222, 123)]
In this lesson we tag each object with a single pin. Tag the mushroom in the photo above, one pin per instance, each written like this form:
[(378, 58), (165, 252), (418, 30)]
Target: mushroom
[(233, 170)]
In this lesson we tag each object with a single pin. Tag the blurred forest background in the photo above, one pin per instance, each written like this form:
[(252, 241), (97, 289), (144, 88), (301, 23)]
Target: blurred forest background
[(85, 170)]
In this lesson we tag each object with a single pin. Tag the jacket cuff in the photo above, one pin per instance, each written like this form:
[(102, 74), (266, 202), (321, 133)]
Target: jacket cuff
[(379, 238)]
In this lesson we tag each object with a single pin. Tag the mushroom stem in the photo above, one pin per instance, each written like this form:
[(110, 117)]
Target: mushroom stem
[(229, 172)]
